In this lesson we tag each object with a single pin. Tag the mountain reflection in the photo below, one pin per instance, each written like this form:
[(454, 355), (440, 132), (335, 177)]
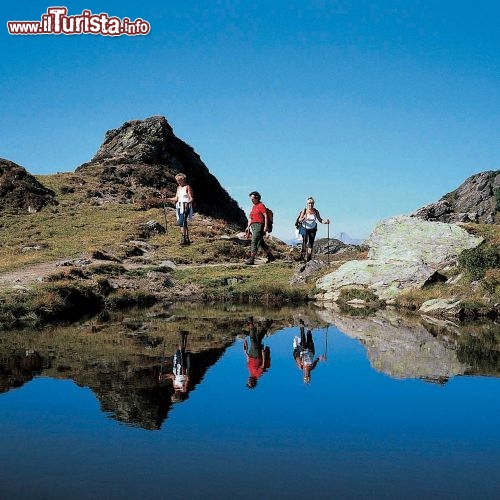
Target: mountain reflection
[(135, 397), (20, 366), (125, 362)]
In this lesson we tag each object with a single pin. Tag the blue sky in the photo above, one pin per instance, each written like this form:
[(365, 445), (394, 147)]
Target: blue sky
[(373, 108)]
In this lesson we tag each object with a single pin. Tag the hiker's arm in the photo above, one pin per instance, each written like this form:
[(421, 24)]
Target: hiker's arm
[(189, 193), (163, 194), (323, 221), (316, 361), (173, 199)]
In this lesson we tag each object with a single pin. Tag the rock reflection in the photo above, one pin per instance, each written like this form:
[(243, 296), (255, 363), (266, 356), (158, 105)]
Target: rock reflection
[(124, 361), (422, 347), (119, 361), (20, 366)]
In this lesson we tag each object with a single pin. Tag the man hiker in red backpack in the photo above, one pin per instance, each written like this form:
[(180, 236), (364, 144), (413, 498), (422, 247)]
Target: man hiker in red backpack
[(258, 227)]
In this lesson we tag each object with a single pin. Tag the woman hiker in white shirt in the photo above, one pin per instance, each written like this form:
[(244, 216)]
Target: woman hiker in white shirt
[(183, 200), (307, 224)]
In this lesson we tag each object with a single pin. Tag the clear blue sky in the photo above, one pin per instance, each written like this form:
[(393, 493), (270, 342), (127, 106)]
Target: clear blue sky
[(373, 108)]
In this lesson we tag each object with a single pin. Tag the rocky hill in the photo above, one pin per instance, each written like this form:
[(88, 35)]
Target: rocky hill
[(142, 157), (476, 200), (452, 244), (20, 191)]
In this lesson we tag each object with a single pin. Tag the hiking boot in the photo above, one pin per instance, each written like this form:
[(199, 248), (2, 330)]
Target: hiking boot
[(250, 261), (270, 258)]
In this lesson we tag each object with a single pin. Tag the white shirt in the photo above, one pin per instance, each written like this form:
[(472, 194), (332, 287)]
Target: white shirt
[(310, 221)]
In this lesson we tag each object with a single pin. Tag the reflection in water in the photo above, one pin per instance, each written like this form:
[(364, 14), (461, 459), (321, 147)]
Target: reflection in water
[(304, 352), (257, 355), (141, 400), (360, 434), (181, 370), (18, 367), (138, 368), (481, 351), (422, 347)]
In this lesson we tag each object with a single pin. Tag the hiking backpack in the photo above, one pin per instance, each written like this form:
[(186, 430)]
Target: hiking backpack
[(270, 216)]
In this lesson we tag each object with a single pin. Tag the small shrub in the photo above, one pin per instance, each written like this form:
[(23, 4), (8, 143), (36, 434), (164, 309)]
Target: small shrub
[(125, 299), (473, 307), (497, 200), (67, 189), (109, 269), (491, 280), (478, 260), (347, 294), (66, 301)]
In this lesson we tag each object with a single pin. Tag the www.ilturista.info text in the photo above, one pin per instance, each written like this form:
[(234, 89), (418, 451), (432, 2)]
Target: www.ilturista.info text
[(56, 22)]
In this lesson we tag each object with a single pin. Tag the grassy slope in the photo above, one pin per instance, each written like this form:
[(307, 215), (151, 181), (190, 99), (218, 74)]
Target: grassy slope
[(79, 225)]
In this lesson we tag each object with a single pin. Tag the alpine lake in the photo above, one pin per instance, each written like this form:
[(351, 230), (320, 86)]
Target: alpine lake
[(394, 407)]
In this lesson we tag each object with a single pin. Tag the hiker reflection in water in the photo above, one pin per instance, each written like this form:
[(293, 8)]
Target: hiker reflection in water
[(181, 365), (304, 353), (258, 357)]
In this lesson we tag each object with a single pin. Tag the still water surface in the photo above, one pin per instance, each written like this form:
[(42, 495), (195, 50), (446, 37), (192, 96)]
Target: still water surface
[(353, 431)]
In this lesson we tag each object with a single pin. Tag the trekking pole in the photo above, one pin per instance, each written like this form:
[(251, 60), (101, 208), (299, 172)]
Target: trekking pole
[(165, 214), (162, 362), (304, 248), (328, 242), (184, 223), (326, 342)]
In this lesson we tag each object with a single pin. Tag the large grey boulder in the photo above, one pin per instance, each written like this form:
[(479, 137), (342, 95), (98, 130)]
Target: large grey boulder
[(404, 252)]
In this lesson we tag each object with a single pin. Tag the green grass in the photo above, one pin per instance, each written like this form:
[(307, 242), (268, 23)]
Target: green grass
[(88, 221), (261, 284)]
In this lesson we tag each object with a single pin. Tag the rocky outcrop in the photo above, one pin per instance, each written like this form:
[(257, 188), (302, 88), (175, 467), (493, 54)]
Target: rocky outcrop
[(404, 252), (476, 200), (324, 246), (20, 191), (443, 307), (142, 157)]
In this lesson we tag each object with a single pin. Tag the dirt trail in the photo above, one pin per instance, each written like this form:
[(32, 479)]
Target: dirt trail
[(38, 272), (31, 274)]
